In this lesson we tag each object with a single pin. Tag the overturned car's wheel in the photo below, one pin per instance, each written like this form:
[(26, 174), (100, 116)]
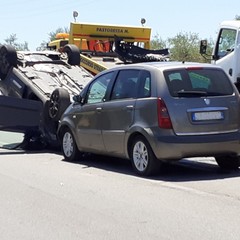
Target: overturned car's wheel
[(8, 59), (58, 103), (228, 162), (69, 147), (73, 53), (143, 159)]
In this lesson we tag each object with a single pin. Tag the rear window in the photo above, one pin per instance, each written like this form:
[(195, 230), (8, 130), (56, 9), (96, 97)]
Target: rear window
[(198, 82)]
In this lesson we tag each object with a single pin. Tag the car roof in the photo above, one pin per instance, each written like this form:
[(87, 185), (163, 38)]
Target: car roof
[(165, 65)]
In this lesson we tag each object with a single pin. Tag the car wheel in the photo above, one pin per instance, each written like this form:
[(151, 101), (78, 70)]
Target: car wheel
[(228, 162), (58, 103), (73, 53), (143, 159), (8, 59), (69, 147)]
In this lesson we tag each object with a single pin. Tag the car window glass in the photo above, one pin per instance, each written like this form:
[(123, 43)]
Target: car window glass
[(199, 81), (226, 42), (212, 81), (126, 84), (98, 88), (209, 81), (145, 85), (175, 82), (175, 75)]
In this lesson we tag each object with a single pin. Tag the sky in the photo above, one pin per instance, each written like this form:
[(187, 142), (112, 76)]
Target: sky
[(33, 20)]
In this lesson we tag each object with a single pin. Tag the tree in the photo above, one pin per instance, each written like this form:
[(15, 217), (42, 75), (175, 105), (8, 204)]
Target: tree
[(158, 43), (12, 40), (237, 17), (43, 46), (185, 47)]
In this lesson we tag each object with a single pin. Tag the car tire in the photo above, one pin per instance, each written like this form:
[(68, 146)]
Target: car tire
[(8, 59), (69, 147), (58, 103), (73, 53), (143, 160), (228, 162)]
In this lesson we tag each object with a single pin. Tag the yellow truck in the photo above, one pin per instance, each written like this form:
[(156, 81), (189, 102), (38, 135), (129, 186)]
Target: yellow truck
[(102, 46), (96, 42), (106, 33)]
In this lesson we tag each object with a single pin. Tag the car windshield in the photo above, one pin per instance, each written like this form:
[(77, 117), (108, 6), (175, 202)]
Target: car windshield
[(194, 82)]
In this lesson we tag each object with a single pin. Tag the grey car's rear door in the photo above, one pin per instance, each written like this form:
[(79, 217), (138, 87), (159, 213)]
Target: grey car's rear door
[(118, 114), (116, 118)]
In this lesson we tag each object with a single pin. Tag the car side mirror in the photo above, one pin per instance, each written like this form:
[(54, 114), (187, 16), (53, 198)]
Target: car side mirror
[(77, 98), (203, 47)]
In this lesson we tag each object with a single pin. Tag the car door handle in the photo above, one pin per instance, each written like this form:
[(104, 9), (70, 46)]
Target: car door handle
[(129, 107), (98, 109)]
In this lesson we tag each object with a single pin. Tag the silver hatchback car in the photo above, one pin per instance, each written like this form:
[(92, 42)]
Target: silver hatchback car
[(155, 112)]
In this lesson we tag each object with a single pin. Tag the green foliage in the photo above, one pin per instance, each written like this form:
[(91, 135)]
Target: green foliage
[(237, 17), (12, 40), (183, 47), (43, 46), (158, 43)]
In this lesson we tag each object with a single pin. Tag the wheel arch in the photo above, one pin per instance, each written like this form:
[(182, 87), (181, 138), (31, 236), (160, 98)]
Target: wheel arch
[(151, 165), (130, 141), (61, 131), (64, 126), (135, 132)]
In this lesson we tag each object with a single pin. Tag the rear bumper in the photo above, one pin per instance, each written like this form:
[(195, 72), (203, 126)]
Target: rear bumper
[(177, 147)]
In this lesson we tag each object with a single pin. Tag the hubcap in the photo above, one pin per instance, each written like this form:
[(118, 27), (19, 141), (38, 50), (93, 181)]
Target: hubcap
[(67, 144), (140, 156)]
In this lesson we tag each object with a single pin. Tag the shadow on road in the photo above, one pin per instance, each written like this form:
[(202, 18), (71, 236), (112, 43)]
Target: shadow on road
[(181, 171), (184, 170)]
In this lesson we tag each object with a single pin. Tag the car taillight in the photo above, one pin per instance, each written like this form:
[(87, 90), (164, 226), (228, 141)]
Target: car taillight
[(164, 120)]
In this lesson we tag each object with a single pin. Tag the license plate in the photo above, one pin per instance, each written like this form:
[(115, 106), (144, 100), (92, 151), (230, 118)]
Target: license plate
[(202, 116)]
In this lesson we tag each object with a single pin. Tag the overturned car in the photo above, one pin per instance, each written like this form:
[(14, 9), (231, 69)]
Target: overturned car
[(36, 88)]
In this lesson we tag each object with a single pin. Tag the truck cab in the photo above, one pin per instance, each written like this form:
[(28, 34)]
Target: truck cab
[(226, 51)]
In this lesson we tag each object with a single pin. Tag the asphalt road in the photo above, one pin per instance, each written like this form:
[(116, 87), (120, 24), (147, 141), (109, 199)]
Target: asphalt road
[(44, 197)]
